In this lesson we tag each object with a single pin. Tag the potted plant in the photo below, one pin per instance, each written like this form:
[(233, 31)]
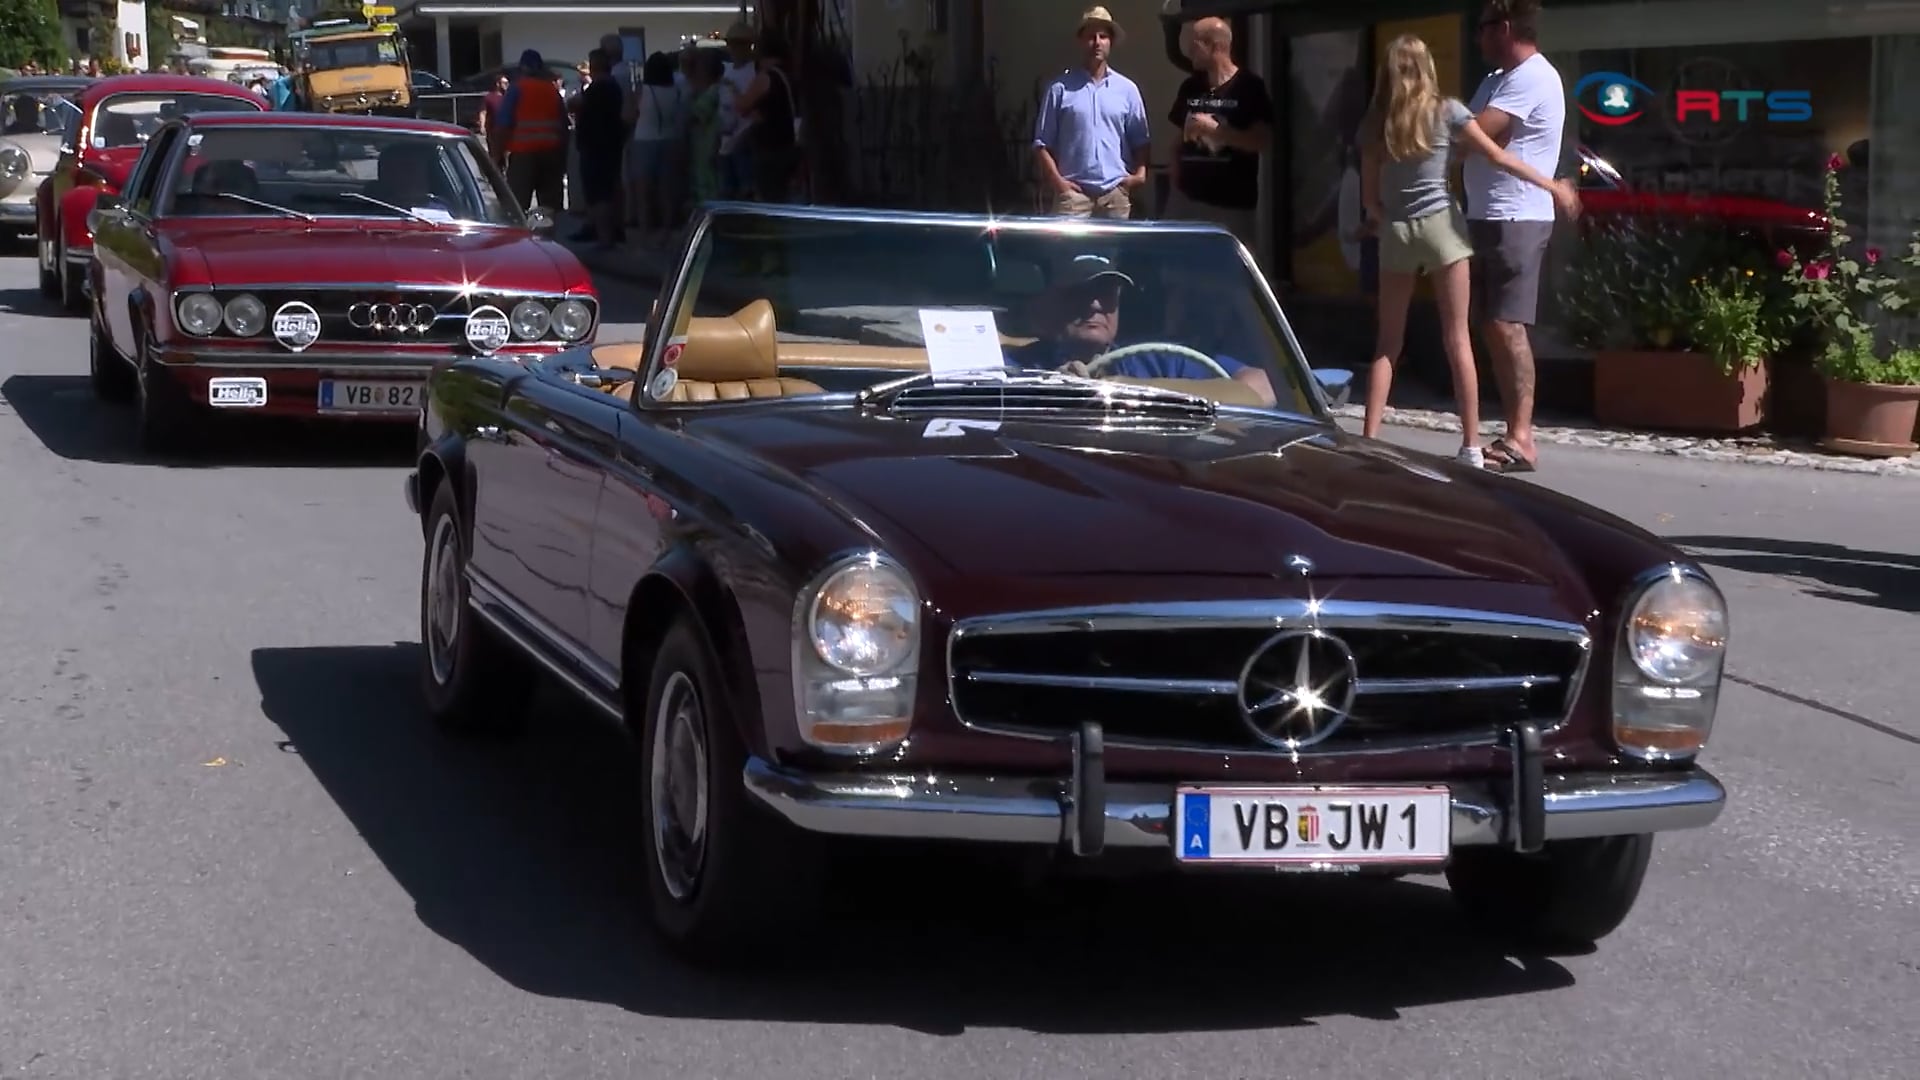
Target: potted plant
[(1854, 305), (1680, 332)]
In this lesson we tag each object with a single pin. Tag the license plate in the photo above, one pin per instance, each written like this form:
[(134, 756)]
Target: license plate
[(236, 393), (1310, 826), (339, 395)]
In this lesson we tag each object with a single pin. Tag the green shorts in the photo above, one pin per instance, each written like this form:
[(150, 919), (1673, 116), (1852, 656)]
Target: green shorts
[(1425, 244)]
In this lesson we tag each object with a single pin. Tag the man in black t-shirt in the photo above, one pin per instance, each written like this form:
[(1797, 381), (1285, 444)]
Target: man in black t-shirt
[(1226, 120)]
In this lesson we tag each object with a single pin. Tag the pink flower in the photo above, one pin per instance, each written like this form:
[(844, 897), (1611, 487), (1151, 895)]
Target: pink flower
[(1817, 271), (1836, 163), (1784, 259), (1873, 256)]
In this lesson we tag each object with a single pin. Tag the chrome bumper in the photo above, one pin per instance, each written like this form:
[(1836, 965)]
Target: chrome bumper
[(1038, 811)]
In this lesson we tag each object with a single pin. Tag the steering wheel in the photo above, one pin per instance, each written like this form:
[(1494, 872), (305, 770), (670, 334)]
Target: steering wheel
[(1098, 363)]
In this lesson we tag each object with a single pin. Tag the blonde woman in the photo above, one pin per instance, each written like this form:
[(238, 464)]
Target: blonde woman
[(1407, 142)]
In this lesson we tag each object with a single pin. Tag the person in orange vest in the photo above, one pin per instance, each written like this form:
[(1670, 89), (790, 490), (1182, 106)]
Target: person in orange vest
[(532, 124)]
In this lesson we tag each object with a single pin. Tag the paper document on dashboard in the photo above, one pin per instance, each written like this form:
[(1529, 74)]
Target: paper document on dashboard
[(962, 343)]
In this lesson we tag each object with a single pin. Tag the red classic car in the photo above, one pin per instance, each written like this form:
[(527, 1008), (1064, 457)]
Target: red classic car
[(1041, 534), (301, 264), (117, 117)]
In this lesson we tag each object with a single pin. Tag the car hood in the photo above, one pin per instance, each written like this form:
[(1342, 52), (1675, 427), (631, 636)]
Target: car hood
[(1240, 499), (402, 253)]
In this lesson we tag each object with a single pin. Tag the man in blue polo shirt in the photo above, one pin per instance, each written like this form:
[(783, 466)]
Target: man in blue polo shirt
[(1078, 318), (1090, 140)]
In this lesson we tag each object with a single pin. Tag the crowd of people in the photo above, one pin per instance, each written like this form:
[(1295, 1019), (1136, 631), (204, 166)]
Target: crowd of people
[(1093, 141), (708, 121)]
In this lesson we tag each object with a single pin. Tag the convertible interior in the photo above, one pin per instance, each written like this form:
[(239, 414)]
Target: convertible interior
[(740, 356)]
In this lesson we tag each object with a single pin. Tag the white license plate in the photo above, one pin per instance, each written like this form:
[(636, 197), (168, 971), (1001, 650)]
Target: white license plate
[(341, 395), (237, 393), (1313, 825)]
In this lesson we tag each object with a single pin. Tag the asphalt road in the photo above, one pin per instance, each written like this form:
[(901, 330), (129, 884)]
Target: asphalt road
[(232, 848)]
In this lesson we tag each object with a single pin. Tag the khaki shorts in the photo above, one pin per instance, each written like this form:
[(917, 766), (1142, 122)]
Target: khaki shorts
[(1426, 244)]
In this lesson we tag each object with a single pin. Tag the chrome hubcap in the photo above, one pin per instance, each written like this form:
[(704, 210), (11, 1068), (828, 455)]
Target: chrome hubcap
[(443, 599), (677, 788)]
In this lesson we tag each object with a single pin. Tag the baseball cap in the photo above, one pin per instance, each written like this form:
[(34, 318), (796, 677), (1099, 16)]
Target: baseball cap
[(1088, 266)]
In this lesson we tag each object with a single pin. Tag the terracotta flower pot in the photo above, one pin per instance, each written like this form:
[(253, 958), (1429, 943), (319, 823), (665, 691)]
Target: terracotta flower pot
[(1871, 419), (1676, 390)]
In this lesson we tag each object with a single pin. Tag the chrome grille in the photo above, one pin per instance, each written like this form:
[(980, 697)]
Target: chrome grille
[(1062, 401), (1171, 676)]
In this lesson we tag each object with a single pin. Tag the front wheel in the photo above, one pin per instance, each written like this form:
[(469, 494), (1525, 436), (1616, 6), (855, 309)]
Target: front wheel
[(1569, 895), (723, 875), (473, 680)]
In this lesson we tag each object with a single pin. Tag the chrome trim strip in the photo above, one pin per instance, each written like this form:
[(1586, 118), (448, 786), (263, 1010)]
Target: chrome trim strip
[(80, 255), (1033, 810), (1227, 687), (491, 601), (371, 360), (474, 289), (1211, 687), (1276, 613)]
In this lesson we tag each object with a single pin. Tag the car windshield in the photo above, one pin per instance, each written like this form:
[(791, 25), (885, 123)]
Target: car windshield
[(848, 304), (37, 112), (129, 119), (352, 52), (337, 172)]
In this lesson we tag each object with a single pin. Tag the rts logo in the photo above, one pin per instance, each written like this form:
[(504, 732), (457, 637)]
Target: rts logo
[(1622, 99)]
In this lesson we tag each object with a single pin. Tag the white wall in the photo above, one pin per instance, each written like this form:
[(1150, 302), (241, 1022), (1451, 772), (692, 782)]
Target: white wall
[(131, 18), (567, 39)]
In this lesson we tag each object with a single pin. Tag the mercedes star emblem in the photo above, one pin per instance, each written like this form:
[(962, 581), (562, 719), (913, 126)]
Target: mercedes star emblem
[(1300, 564), (1298, 687)]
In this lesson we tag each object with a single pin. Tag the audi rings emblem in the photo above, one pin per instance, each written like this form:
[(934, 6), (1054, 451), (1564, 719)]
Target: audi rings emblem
[(405, 318), (1298, 687)]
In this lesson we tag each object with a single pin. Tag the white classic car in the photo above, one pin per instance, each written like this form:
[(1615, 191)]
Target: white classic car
[(34, 113)]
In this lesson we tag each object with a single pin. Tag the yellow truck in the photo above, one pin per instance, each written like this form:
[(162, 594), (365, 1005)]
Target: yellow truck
[(348, 66)]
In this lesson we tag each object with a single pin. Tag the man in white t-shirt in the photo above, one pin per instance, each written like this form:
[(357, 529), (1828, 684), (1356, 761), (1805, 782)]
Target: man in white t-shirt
[(736, 157), (1523, 107)]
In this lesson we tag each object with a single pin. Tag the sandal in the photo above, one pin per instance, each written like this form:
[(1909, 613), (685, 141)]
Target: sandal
[(1503, 458)]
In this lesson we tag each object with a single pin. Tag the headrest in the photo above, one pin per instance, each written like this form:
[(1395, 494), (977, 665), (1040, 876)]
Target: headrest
[(731, 348)]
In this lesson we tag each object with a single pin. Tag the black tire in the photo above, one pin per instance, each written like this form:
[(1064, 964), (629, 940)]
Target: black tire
[(163, 419), (756, 876), (49, 275), (1570, 895), (73, 294), (474, 681), (112, 378)]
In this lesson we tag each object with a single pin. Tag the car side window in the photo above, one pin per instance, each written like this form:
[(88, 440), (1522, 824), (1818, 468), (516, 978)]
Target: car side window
[(146, 173)]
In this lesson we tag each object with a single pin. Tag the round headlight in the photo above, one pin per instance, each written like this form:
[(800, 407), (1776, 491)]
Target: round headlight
[(572, 319), (864, 619), (200, 314), (530, 320), (14, 163), (246, 315), (1677, 633)]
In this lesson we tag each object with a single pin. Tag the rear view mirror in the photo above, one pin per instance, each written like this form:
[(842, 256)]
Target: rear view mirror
[(1336, 383)]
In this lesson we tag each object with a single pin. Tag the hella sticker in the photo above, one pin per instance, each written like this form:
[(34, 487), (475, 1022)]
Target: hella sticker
[(663, 383), (488, 329), (236, 393), (296, 325)]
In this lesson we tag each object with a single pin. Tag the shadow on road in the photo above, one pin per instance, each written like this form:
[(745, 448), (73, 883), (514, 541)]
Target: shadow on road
[(521, 853), (1875, 578), (29, 302), (63, 413)]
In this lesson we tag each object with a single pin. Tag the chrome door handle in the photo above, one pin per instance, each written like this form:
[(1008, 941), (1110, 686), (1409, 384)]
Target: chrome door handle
[(489, 433)]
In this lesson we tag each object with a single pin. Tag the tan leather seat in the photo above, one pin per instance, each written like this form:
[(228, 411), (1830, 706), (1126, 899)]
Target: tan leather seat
[(733, 357)]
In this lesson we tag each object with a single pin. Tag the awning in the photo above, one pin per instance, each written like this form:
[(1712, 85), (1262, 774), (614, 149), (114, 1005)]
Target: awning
[(431, 8)]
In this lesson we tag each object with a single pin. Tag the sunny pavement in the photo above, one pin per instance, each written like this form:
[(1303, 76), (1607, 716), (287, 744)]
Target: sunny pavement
[(232, 847)]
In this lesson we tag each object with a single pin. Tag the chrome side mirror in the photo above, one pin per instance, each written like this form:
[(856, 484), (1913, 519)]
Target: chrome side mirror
[(1336, 383), (539, 220)]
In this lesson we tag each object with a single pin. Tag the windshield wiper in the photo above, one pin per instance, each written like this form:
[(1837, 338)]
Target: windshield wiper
[(396, 209), (250, 201)]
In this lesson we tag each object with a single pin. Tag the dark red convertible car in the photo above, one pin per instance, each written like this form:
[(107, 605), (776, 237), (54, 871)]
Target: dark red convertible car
[(118, 115), (310, 265), (1041, 534)]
